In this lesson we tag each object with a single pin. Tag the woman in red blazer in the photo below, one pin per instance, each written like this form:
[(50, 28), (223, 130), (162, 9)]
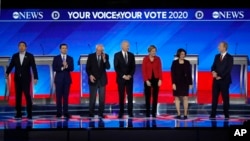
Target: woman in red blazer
[(152, 76)]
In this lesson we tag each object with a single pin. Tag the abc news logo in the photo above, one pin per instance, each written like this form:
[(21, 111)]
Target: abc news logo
[(228, 14), (28, 15)]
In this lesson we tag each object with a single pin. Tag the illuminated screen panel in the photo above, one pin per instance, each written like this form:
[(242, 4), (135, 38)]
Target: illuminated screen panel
[(197, 30)]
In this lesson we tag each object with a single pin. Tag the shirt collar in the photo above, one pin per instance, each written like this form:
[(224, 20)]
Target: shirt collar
[(223, 54), (123, 52), (23, 53)]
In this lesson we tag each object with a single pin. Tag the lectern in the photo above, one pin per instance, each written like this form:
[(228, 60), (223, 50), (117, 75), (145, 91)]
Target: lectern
[(46, 76), (82, 61), (4, 62), (239, 76), (194, 61)]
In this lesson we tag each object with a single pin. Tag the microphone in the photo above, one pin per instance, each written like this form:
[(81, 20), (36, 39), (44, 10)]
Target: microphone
[(235, 49), (42, 48), (90, 48), (186, 47), (136, 48)]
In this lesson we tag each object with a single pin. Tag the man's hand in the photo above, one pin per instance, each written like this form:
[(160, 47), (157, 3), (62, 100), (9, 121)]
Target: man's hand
[(218, 78), (65, 65), (190, 86), (148, 83), (92, 78), (103, 57), (214, 74), (35, 81), (174, 87), (159, 83), (129, 77)]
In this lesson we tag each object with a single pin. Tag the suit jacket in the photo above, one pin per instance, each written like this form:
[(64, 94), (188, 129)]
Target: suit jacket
[(99, 73), (121, 68), (24, 69), (62, 76), (223, 68), (148, 67), (181, 76)]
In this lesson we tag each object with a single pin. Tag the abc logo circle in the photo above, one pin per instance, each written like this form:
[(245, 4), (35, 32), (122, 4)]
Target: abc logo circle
[(15, 15), (216, 14)]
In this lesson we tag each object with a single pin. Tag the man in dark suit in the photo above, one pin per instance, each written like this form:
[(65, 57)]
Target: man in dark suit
[(124, 64), (96, 66), (22, 62), (221, 70), (63, 64)]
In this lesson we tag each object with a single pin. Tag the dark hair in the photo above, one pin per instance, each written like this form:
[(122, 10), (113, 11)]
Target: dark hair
[(151, 47), (179, 52), (22, 42), (63, 44)]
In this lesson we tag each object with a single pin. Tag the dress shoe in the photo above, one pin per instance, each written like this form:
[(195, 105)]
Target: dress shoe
[(58, 115), (120, 116), (131, 115), (67, 116), (185, 117), (18, 116), (178, 117), (101, 116), (226, 117), (154, 115), (212, 117), (91, 115), (29, 117)]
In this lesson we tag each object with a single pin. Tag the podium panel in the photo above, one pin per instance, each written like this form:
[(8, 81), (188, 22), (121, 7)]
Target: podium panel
[(239, 79), (45, 85), (194, 61), (4, 86)]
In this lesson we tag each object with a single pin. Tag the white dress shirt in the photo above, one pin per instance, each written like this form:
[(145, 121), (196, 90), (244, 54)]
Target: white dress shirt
[(223, 55), (21, 56)]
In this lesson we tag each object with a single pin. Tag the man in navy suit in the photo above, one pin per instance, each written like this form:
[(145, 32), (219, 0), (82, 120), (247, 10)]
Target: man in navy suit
[(63, 64), (124, 63), (96, 66), (221, 71), (23, 61)]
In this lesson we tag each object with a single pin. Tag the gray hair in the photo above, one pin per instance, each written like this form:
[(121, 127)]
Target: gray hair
[(99, 45)]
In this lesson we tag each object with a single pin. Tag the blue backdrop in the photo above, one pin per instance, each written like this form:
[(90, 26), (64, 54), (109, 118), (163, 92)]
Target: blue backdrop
[(196, 36)]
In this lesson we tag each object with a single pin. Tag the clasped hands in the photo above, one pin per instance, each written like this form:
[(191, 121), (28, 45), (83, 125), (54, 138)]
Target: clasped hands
[(215, 75), (127, 77), (149, 83), (65, 65)]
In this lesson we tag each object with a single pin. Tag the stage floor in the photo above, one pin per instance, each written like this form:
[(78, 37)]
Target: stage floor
[(110, 121), (44, 117), (46, 127)]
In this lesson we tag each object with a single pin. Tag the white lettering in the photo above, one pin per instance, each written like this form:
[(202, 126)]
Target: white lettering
[(240, 132)]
